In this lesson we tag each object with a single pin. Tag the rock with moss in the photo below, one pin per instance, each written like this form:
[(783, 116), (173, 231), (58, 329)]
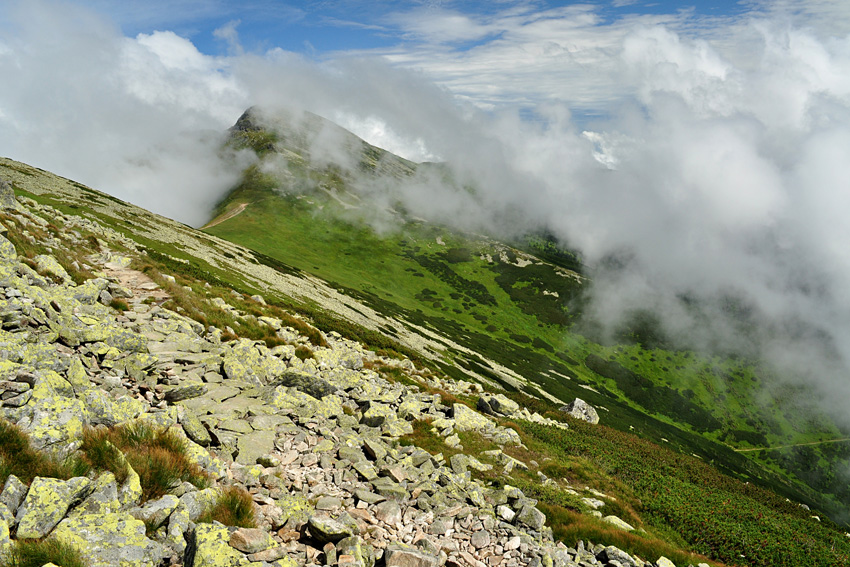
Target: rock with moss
[(103, 498), (114, 539), (359, 550), (211, 546), (13, 494), (326, 528), (307, 383), (46, 503)]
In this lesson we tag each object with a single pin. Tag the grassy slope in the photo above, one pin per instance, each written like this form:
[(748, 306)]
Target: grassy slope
[(698, 404), (678, 502)]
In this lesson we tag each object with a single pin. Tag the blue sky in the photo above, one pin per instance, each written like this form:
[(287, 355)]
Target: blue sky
[(320, 27)]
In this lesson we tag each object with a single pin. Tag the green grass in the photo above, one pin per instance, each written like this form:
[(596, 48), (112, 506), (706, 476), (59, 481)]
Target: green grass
[(499, 310), (234, 507), (36, 553)]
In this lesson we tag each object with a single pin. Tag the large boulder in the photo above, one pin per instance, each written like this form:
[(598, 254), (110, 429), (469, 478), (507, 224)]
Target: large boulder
[(46, 503), (110, 540), (580, 409)]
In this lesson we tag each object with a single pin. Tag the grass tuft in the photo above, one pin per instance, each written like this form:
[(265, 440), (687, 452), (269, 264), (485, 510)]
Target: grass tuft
[(157, 455), (234, 507), (19, 458), (35, 553), (119, 304)]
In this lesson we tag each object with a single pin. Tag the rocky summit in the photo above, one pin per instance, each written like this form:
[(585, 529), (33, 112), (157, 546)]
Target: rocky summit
[(319, 439)]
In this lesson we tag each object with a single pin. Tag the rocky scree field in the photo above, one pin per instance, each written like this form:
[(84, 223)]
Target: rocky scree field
[(140, 427)]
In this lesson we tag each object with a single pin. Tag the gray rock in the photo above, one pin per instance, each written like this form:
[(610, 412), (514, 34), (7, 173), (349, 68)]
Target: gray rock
[(531, 517), (155, 512), (360, 551), (251, 540), (399, 555), (13, 493), (307, 383), (7, 196), (612, 553), (185, 392), (580, 409), (389, 512), (325, 529)]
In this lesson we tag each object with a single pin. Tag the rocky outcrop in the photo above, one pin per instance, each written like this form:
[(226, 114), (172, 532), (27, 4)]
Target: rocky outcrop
[(316, 442)]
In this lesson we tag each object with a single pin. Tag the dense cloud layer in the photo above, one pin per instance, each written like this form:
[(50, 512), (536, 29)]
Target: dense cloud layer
[(714, 191)]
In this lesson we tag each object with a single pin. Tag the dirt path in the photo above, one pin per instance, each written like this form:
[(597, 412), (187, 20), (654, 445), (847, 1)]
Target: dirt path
[(226, 216), (139, 283), (795, 445)]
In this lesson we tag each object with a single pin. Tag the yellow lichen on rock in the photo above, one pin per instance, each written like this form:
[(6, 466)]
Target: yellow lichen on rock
[(212, 548)]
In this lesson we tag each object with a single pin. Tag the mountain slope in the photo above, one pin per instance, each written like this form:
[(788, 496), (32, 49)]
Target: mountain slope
[(677, 502), (500, 314)]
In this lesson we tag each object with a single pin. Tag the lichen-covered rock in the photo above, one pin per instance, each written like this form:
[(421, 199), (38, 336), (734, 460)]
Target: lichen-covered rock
[(617, 522), (359, 550), (5, 539), (77, 376), (103, 498), (50, 418), (325, 528), (103, 409), (14, 492), (497, 404), (195, 430), (254, 445), (307, 383), (186, 391), (211, 543), (155, 512), (199, 501), (580, 409), (531, 517), (179, 524), (470, 420), (48, 265), (110, 540), (377, 413), (46, 503)]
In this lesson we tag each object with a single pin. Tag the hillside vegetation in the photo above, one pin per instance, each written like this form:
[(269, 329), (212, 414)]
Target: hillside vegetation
[(660, 460), (512, 314)]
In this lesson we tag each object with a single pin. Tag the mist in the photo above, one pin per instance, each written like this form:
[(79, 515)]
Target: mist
[(708, 185)]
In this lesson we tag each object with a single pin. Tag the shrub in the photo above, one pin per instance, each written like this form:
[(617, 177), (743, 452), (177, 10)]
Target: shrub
[(35, 553), (234, 507)]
